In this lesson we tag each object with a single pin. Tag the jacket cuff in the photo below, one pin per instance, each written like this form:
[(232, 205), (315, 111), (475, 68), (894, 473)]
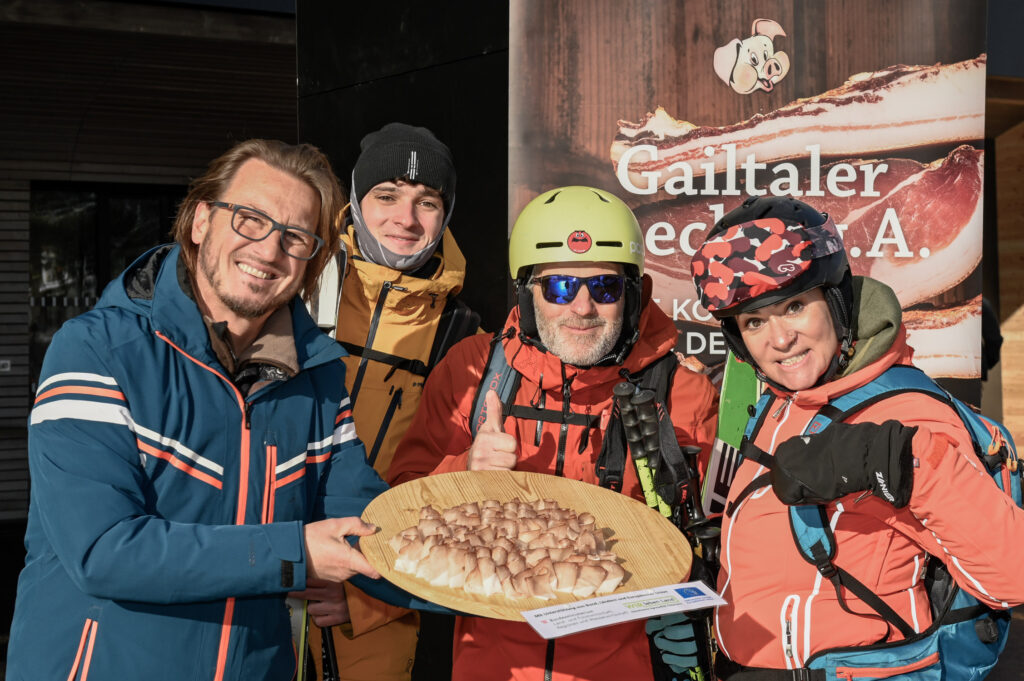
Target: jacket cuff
[(288, 545)]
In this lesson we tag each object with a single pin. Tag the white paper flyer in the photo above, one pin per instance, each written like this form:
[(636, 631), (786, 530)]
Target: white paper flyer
[(570, 618)]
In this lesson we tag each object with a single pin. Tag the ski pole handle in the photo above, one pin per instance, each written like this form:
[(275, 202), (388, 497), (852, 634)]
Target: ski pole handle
[(623, 393), (647, 454)]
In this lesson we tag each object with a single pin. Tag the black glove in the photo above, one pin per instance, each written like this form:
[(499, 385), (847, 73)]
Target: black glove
[(845, 458)]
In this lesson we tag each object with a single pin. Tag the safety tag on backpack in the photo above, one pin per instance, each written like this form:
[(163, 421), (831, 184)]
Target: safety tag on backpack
[(740, 389)]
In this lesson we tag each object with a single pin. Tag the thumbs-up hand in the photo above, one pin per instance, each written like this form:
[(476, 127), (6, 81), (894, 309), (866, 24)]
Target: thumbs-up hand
[(493, 449)]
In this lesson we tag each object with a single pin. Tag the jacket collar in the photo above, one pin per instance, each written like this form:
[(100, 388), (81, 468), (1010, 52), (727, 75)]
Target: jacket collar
[(446, 280), (658, 336), (155, 282)]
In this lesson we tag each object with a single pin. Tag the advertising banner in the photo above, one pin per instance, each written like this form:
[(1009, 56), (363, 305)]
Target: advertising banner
[(872, 112)]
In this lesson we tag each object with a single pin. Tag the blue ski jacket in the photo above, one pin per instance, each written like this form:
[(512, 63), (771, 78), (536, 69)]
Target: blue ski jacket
[(167, 508)]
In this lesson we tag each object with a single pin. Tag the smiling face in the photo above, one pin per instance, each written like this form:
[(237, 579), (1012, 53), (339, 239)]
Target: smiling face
[(242, 281), (404, 217), (580, 332), (793, 341)]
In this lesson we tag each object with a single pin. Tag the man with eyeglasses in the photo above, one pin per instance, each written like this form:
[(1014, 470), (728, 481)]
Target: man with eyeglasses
[(191, 446), (584, 323)]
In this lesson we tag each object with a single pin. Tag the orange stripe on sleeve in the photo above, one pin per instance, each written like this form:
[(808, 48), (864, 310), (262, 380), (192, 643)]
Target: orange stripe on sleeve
[(81, 390), (291, 478), (342, 416), (179, 464), (319, 458)]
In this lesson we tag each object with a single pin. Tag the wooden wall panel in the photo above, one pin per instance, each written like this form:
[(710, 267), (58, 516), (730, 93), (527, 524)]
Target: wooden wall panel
[(1010, 209), (84, 104)]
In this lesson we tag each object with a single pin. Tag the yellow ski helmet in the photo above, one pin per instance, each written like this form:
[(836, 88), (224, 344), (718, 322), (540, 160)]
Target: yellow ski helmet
[(575, 224), (578, 224)]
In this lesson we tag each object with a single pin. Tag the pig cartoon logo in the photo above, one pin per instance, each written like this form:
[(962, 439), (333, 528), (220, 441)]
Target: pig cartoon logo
[(579, 241), (752, 63)]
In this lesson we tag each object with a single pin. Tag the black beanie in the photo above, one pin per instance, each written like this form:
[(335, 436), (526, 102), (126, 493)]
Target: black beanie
[(404, 151)]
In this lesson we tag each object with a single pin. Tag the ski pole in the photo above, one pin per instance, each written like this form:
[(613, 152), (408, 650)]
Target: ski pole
[(329, 655), (697, 530), (624, 393)]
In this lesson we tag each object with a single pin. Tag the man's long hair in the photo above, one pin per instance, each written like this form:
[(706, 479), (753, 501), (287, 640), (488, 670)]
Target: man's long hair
[(303, 161)]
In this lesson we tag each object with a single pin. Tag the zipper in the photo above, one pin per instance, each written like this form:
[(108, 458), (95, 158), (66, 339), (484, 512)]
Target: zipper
[(371, 333), (563, 430), (242, 501), (539, 405), (789, 633), (270, 451), (787, 639), (393, 406)]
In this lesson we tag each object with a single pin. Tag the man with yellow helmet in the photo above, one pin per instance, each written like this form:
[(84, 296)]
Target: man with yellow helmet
[(583, 323)]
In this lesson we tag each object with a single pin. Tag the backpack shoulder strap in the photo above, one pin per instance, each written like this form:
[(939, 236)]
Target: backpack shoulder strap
[(814, 537), (893, 381), (498, 376), (457, 321), (758, 415), (812, 532), (747, 450)]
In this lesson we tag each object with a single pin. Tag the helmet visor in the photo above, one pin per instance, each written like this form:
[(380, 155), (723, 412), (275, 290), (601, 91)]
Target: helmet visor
[(753, 258)]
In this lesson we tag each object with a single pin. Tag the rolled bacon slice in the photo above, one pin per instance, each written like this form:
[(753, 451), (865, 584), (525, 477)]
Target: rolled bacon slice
[(898, 107)]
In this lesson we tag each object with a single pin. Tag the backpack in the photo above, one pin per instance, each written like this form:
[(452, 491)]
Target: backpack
[(966, 636)]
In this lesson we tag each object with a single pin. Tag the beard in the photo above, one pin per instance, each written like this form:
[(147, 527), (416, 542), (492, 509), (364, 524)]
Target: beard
[(578, 350), (247, 308)]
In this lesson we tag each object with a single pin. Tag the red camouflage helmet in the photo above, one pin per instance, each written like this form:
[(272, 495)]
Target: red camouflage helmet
[(751, 259)]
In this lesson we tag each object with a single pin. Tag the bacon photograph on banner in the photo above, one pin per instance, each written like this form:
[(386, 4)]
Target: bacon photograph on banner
[(849, 107)]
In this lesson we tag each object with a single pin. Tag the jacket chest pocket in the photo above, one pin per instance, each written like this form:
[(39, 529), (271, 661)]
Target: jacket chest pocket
[(285, 481)]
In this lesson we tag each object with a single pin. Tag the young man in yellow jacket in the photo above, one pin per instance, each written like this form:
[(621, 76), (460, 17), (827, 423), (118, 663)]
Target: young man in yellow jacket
[(397, 316)]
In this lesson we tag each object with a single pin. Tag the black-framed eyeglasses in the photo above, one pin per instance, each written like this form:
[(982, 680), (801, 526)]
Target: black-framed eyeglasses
[(562, 289), (256, 225)]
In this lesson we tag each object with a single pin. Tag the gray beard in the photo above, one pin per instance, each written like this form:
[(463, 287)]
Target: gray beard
[(243, 308), (583, 353)]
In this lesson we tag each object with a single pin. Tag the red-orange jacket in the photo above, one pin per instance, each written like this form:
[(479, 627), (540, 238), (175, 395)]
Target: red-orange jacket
[(438, 441), (780, 610)]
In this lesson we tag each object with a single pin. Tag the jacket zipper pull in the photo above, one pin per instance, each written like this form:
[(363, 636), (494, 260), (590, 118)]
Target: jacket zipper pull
[(248, 415), (566, 396), (785, 403), (788, 646)]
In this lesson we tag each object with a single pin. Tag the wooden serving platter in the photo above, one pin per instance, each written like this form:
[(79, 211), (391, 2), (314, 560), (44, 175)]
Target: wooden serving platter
[(650, 549)]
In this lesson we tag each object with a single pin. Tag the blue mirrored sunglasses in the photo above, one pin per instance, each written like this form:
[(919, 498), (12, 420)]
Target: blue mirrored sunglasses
[(561, 289)]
